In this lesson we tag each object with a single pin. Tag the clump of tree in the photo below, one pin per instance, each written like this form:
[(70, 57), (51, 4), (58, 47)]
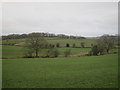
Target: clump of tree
[(108, 42), (67, 45), (97, 50), (51, 45), (34, 44), (82, 44), (94, 50), (39, 34), (28, 52), (67, 52), (52, 52), (104, 44)]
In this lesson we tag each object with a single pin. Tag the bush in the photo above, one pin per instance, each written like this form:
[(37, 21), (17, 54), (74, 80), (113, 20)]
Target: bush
[(91, 45), (82, 44), (57, 45), (90, 53), (51, 46), (48, 53), (67, 53), (67, 45), (54, 52), (28, 52), (95, 50), (73, 45)]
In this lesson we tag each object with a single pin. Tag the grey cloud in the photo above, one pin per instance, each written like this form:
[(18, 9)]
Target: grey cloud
[(86, 19)]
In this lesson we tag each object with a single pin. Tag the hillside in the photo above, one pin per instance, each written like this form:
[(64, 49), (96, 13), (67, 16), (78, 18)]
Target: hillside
[(51, 40)]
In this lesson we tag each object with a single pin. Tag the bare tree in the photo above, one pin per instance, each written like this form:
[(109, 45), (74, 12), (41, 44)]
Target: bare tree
[(100, 46), (35, 44), (107, 41)]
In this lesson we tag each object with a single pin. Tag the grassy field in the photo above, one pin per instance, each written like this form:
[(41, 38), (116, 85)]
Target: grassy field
[(61, 72), (12, 51), (55, 40), (15, 51), (75, 72)]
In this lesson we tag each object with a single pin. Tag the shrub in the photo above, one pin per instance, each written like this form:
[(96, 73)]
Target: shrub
[(51, 46), (57, 45), (91, 45), (28, 52), (48, 52), (95, 50), (54, 52), (90, 53), (67, 53), (73, 45), (67, 45), (82, 44)]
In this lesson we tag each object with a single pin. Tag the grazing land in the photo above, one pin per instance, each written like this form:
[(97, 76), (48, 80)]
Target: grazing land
[(54, 40), (60, 45), (18, 51), (74, 72)]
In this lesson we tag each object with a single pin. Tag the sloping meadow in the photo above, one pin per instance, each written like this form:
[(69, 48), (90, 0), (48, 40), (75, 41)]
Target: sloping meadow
[(74, 72)]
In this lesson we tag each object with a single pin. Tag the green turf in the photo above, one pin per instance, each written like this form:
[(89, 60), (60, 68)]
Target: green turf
[(12, 51), (75, 72), (77, 42), (74, 50)]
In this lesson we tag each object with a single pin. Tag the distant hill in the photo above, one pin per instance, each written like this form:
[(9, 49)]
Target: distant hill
[(21, 36)]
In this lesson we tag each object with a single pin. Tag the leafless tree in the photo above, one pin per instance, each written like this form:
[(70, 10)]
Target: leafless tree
[(34, 44)]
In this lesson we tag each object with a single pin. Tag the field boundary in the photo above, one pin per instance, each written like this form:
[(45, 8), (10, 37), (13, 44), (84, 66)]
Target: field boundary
[(75, 55)]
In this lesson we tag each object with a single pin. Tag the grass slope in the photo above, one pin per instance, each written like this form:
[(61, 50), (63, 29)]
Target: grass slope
[(75, 72), (15, 51), (55, 40), (12, 51)]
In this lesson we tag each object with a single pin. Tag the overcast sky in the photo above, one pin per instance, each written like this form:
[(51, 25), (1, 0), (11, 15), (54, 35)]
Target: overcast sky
[(78, 18)]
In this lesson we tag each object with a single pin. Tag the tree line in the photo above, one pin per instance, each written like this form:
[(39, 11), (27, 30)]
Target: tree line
[(104, 44), (21, 36), (35, 44)]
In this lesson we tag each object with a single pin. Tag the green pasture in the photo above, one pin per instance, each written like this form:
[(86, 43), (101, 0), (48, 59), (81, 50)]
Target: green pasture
[(16, 51), (77, 42), (12, 51), (74, 72), (55, 40)]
